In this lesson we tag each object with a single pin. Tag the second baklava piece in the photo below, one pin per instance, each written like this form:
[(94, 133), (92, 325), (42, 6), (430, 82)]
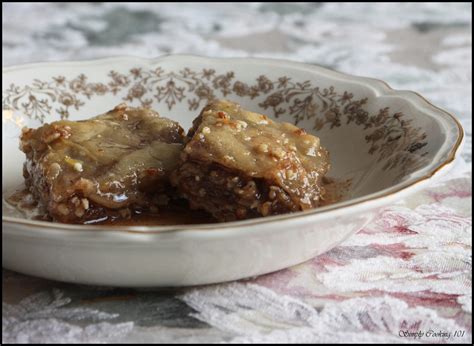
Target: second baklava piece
[(238, 164)]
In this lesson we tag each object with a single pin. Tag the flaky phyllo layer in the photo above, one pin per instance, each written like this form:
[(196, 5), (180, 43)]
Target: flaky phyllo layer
[(238, 164), (108, 166)]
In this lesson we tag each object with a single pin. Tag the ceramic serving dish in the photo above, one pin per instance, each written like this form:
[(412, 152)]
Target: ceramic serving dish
[(384, 144)]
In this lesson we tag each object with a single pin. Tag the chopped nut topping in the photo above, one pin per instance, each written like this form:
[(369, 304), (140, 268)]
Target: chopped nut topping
[(54, 170), (121, 107), (206, 130), (197, 178), (278, 152), (52, 137), (55, 132), (290, 174), (85, 203), (254, 204), (272, 194), (266, 208), (241, 124), (75, 164), (263, 148), (300, 132), (223, 115), (311, 151), (86, 185), (63, 209), (78, 167), (250, 185)]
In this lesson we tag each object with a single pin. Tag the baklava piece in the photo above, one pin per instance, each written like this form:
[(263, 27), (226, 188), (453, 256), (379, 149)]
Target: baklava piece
[(107, 167), (238, 164)]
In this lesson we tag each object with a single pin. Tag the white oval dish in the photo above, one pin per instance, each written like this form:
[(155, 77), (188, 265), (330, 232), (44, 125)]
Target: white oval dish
[(385, 143)]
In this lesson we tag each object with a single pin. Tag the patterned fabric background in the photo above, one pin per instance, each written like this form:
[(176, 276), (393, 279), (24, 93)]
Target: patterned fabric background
[(406, 277)]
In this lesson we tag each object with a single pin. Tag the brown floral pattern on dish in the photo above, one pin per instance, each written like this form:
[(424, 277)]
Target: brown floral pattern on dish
[(389, 134)]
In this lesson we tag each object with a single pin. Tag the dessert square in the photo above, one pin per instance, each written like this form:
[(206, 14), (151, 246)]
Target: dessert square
[(237, 164), (109, 166)]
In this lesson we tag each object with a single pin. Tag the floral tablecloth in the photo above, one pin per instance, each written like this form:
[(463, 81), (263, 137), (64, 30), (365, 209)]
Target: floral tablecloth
[(406, 277)]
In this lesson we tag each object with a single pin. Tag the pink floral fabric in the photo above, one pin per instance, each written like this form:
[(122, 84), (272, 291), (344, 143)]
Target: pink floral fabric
[(406, 277)]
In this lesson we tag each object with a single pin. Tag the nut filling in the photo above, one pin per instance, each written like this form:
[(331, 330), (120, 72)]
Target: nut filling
[(230, 197), (238, 164), (110, 166)]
